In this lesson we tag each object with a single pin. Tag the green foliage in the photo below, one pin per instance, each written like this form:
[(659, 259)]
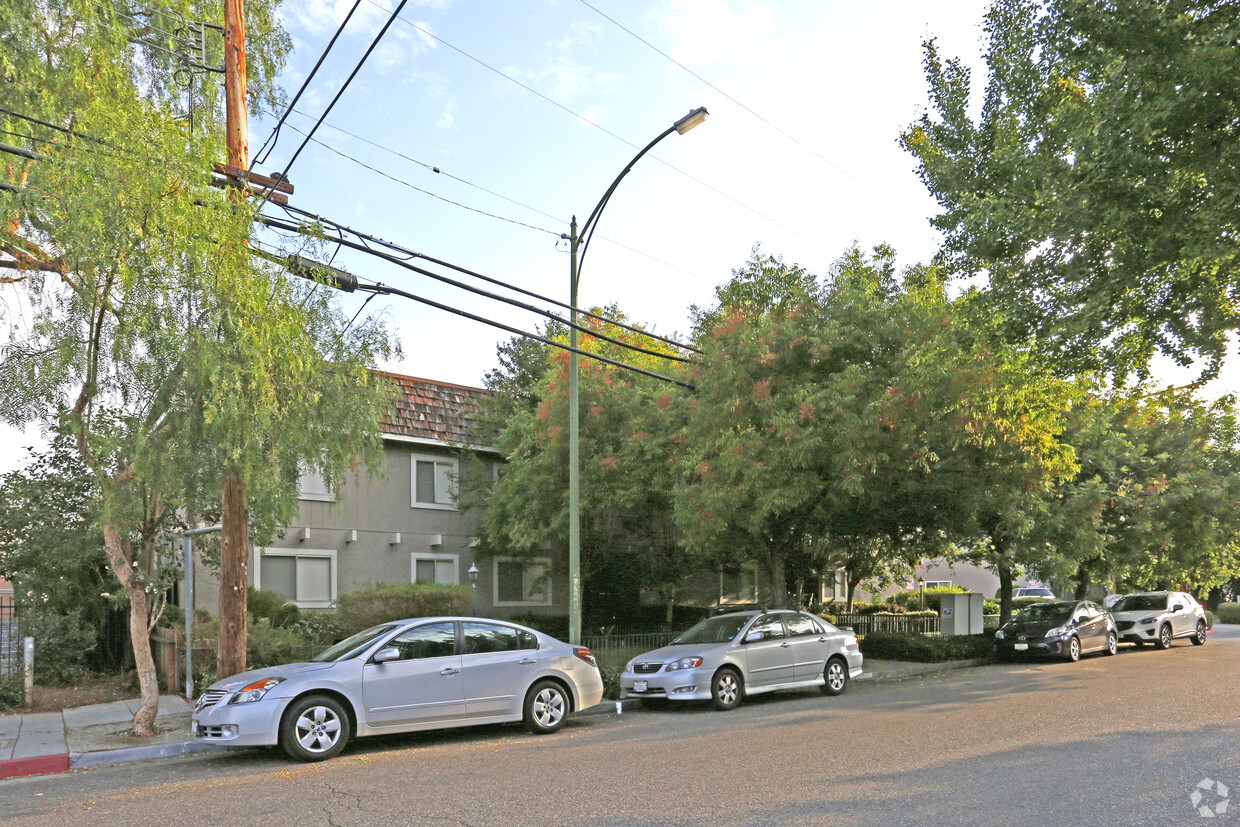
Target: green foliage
[(611, 683), (12, 691), (1209, 619), (554, 625), (319, 628), (1228, 612), (881, 608), (383, 602), (1103, 156), (63, 644), (990, 607), (912, 598), (1019, 603), (926, 648), (278, 610)]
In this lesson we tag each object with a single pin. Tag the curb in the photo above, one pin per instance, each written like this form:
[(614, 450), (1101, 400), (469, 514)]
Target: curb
[(38, 765), (930, 668), (129, 755)]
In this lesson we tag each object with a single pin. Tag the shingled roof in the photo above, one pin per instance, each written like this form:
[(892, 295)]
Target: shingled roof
[(436, 411)]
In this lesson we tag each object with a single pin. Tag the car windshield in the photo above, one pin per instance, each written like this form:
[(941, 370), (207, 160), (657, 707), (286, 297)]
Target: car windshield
[(352, 646), (1141, 603), (1036, 592), (715, 630), (1045, 613)]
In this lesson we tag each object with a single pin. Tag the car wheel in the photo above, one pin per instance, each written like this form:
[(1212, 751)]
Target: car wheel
[(725, 689), (836, 674), (1073, 652), (1164, 637), (1199, 637), (314, 728), (1112, 644), (546, 707)]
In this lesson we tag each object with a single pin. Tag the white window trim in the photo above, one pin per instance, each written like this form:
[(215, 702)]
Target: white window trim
[(454, 559), (935, 584), (757, 573), (330, 554), (413, 481), (533, 561), (314, 496)]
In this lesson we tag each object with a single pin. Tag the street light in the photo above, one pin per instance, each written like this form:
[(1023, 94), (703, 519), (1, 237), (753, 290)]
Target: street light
[(921, 586), (473, 581), (577, 254)]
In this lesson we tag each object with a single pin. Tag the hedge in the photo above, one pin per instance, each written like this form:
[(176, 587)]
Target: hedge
[(1228, 613), (927, 648)]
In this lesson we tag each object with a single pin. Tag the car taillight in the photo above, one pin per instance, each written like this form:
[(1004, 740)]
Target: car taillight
[(584, 653)]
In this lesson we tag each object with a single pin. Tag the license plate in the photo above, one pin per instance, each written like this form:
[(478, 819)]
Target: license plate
[(193, 727), (639, 686), (1020, 647)]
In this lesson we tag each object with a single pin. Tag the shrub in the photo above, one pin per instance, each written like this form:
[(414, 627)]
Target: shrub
[(990, 607), (1228, 613), (12, 691), (876, 608), (1019, 603), (911, 599), (63, 644), (319, 628), (926, 648), (273, 606), (1209, 619), (554, 625), (383, 602), (611, 683)]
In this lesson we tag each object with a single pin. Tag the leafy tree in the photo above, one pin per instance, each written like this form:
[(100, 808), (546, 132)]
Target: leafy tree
[(1096, 188), (153, 341)]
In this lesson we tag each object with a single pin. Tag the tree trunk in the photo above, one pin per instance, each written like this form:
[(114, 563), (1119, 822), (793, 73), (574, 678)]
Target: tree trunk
[(1083, 579), (234, 578), (1005, 592), (139, 633), (779, 584)]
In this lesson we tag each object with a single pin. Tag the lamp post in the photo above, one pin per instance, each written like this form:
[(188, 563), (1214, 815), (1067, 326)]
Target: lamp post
[(578, 241), (473, 581), (921, 587)]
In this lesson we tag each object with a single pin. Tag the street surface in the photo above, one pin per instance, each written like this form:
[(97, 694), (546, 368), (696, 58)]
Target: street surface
[(1107, 741)]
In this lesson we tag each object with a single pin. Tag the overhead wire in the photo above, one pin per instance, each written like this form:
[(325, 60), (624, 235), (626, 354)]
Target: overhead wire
[(769, 123), (409, 254)]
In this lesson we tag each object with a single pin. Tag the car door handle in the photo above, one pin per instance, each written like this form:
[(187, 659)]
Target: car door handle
[(784, 645), (448, 671), (527, 661), (823, 640)]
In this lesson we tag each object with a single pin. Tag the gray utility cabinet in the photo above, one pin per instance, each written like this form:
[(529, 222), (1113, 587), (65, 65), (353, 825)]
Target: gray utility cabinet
[(961, 614)]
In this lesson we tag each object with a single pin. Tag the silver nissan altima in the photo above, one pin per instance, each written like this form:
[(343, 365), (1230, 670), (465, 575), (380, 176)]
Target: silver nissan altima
[(422, 673), (726, 657)]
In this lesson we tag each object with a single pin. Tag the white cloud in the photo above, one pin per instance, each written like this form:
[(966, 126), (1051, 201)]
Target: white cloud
[(708, 31), (593, 115), (447, 120)]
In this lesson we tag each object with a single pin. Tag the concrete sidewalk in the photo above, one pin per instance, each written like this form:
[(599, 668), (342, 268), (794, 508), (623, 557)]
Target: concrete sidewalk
[(97, 736)]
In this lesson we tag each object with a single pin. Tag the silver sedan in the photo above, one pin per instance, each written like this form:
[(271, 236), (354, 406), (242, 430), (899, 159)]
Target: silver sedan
[(729, 656), (422, 673)]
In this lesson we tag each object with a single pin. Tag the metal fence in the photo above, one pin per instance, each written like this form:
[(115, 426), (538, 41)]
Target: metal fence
[(613, 651), (916, 624), (10, 636)]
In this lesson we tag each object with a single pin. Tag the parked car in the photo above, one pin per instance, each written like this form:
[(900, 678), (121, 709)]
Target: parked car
[(416, 674), (1159, 618), (1034, 591), (1062, 628), (725, 658)]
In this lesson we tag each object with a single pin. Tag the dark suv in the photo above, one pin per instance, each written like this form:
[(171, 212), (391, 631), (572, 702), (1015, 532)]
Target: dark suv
[(1062, 628)]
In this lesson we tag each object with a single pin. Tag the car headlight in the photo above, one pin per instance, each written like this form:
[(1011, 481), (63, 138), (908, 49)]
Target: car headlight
[(628, 667), (999, 635), (1058, 631), (255, 691), (1146, 621), (689, 662)]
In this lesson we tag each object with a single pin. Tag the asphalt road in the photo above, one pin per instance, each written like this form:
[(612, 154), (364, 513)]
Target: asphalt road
[(1107, 741)]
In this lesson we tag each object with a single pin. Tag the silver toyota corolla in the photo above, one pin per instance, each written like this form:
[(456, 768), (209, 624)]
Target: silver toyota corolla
[(729, 656), (423, 673)]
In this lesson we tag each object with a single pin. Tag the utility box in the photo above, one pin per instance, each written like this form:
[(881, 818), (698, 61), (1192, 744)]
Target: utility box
[(961, 614)]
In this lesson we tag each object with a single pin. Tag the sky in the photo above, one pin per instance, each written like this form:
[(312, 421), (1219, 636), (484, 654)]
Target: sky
[(529, 109)]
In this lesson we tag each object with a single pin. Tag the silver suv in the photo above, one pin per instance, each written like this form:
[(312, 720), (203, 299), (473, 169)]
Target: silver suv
[(1159, 618), (726, 657)]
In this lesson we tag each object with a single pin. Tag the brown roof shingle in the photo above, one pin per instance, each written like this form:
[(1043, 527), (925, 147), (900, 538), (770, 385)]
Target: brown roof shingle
[(435, 410)]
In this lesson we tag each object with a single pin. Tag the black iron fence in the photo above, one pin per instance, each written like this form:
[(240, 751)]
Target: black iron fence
[(10, 636)]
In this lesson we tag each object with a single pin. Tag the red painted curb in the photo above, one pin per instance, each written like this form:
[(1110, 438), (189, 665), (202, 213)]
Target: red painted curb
[(39, 765)]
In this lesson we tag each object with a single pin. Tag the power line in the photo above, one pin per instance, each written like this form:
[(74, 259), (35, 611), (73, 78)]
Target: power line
[(774, 126), (625, 141), (497, 282)]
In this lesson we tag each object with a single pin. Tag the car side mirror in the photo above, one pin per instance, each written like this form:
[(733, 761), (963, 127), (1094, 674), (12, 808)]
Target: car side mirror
[(389, 653), (753, 637), (1178, 607)]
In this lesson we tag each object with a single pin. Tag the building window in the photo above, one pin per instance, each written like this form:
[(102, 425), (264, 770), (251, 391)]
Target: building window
[(434, 482), (435, 568), (935, 584), (312, 486), (522, 582), (308, 578), (834, 586), (739, 586)]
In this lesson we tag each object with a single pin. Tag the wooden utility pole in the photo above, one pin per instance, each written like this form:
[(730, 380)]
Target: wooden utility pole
[(235, 517)]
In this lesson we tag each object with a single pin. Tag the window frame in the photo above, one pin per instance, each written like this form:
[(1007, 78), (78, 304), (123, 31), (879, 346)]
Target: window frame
[(315, 553), (326, 496), (749, 567), (545, 562), (454, 481), (455, 559)]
